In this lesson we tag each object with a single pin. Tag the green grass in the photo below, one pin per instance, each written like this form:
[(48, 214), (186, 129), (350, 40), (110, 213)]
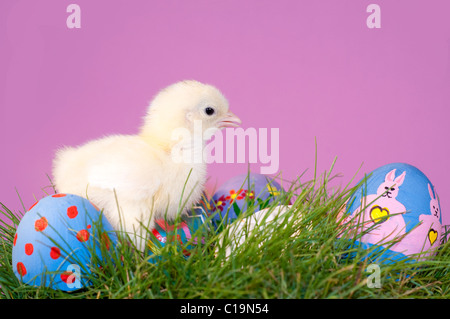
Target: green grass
[(299, 258)]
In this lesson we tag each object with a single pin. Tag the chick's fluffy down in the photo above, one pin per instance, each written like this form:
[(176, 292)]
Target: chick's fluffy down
[(140, 175), (134, 178)]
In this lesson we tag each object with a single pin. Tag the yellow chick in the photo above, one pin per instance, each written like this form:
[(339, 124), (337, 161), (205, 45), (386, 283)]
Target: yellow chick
[(145, 172)]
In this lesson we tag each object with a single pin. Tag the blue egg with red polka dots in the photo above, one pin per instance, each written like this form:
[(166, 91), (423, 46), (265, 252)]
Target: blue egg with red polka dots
[(56, 240)]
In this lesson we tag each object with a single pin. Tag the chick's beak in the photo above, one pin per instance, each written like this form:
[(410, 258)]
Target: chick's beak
[(229, 120)]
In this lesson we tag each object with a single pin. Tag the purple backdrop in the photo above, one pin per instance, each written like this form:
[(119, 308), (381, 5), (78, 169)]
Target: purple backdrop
[(310, 68)]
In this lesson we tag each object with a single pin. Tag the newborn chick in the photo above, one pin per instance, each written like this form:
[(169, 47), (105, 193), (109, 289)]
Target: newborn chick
[(148, 172)]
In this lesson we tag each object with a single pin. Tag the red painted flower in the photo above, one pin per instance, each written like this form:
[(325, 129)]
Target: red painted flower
[(220, 203), (249, 194), (240, 194)]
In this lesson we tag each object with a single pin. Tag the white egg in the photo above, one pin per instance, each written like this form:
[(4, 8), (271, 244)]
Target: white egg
[(238, 233)]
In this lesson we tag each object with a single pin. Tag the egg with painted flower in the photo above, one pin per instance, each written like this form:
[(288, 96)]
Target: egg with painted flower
[(186, 234), (240, 193), (56, 239), (396, 212)]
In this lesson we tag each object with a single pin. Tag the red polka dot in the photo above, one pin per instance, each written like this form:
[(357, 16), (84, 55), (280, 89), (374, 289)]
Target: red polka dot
[(21, 269), (15, 239), (68, 277), (88, 227), (95, 206), (29, 249), (33, 206), (41, 224), (59, 195), (83, 235), (106, 240), (72, 212), (55, 252)]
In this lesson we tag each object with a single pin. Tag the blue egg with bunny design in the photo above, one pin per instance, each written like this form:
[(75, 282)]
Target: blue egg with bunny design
[(397, 208)]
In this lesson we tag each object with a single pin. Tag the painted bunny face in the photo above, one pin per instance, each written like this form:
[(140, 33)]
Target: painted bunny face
[(389, 188), (434, 203)]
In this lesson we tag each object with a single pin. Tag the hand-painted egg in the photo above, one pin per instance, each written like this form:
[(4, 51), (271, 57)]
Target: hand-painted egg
[(55, 241), (191, 224), (396, 208), (237, 233), (241, 192)]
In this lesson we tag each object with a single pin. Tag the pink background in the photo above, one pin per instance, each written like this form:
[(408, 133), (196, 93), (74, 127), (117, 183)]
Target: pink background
[(310, 68)]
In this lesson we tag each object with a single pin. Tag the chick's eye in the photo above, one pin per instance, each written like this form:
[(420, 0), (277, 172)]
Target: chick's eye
[(209, 110)]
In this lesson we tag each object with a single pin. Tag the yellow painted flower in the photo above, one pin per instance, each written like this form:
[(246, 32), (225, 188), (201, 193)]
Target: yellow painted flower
[(273, 190)]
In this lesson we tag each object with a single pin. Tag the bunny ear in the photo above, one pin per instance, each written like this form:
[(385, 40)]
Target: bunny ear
[(430, 191), (390, 176), (399, 180)]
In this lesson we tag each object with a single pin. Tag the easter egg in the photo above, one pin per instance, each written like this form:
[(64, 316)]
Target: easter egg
[(396, 209), (56, 239), (241, 192), (182, 233), (241, 230)]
